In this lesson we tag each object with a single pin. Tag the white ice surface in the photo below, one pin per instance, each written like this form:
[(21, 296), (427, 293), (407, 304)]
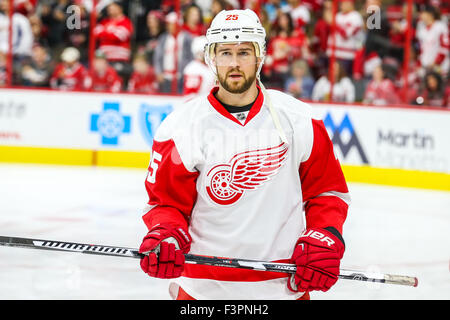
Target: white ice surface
[(390, 230)]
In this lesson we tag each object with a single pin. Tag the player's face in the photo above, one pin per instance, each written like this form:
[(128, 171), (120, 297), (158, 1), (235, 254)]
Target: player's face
[(236, 65)]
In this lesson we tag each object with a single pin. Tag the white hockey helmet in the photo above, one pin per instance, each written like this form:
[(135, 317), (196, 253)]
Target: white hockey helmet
[(234, 26)]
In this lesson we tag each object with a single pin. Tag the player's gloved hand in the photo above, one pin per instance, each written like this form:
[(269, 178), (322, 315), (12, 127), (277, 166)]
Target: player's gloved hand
[(317, 254), (164, 247)]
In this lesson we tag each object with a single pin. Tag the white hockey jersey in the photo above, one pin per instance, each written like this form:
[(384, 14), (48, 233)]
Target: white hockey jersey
[(241, 192)]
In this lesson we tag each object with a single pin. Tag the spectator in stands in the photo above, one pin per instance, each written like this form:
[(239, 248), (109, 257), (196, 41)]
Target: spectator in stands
[(155, 27), (205, 7), (299, 13), (171, 5), (343, 88), (216, 7), (380, 34), (78, 36), (433, 36), (348, 36), (140, 11), (198, 78), (433, 93), (381, 89), (193, 21), (25, 7), (38, 31), (114, 38), (399, 28), (300, 84), (54, 15), (103, 77), (143, 78), (314, 6), (273, 9), (69, 74), (172, 55), (413, 79), (286, 45), (319, 39), (37, 72), (22, 39)]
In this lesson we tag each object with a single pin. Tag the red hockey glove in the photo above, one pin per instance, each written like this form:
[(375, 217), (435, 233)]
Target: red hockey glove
[(165, 246), (317, 254)]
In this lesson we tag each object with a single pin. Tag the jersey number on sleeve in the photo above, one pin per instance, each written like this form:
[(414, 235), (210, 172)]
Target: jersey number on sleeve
[(156, 158)]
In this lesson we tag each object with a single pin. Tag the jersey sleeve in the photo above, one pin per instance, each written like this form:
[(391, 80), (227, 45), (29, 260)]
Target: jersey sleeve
[(444, 46), (170, 186), (324, 189)]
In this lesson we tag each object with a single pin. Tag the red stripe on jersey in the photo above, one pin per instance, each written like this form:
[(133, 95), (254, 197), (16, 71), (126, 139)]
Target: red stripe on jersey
[(183, 295), (326, 211), (199, 271), (322, 173), (170, 186)]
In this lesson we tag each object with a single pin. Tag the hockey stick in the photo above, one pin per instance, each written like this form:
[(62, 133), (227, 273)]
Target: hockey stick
[(198, 259)]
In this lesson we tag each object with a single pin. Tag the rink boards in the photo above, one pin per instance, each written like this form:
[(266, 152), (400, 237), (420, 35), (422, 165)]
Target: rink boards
[(381, 145)]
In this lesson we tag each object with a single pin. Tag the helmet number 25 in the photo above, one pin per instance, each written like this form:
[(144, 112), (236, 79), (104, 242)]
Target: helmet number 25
[(231, 17)]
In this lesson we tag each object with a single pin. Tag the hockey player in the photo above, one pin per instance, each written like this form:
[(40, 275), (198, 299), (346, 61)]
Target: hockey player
[(230, 175)]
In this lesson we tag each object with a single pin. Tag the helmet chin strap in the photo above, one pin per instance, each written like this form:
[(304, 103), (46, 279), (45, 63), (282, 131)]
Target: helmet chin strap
[(273, 113)]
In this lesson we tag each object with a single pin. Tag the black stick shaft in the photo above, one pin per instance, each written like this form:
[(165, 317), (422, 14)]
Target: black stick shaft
[(197, 259)]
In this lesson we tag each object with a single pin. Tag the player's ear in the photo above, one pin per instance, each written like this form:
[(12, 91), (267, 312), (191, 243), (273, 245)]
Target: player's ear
[(259, 61)]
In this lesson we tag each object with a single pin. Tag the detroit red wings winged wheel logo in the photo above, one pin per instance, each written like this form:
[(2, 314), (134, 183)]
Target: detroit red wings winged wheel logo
[(249, 170)]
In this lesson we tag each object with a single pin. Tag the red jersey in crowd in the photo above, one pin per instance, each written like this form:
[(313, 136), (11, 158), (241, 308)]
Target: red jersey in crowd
[(143, 82), (108, 81), (348, 36), (381, 93), (196, 31), (320, 36), (434, 45), (282, 50), (25, 7), (69, 78), (114, 38), (313, 5)]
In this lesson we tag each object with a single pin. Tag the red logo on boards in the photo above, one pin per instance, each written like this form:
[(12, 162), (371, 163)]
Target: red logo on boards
[(247, 170)]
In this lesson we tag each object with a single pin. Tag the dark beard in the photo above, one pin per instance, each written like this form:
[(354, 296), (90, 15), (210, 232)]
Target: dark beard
[(240, 89)]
